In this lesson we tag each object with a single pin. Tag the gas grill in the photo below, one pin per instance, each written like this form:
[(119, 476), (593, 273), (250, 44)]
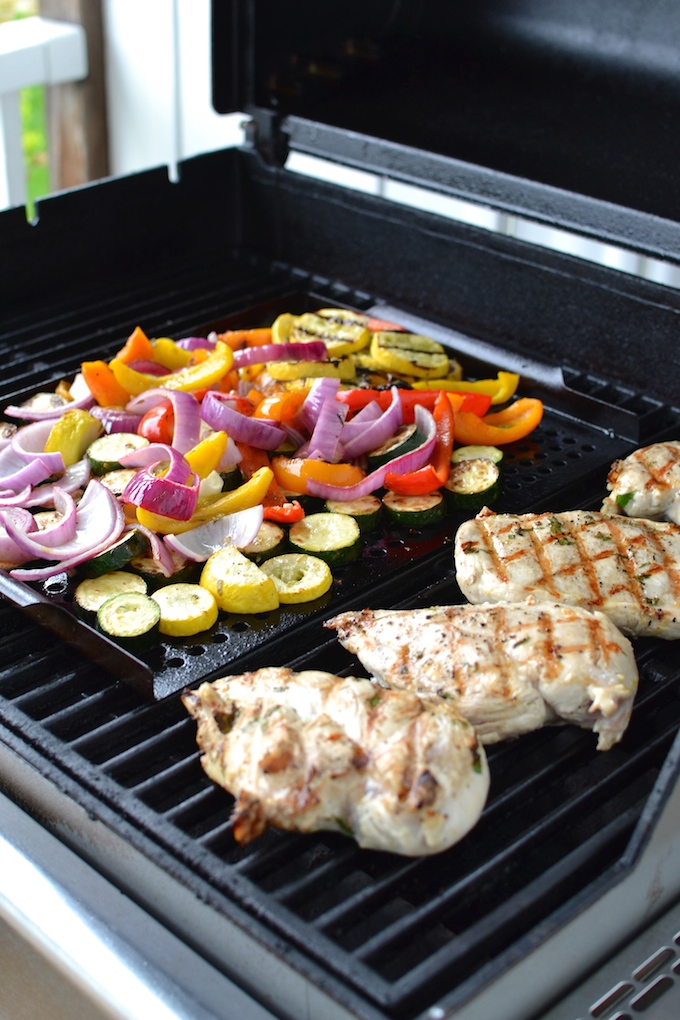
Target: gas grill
[(577, 851)]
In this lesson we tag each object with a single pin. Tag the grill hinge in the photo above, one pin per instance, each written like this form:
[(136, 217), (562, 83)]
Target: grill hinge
[(264, 132)]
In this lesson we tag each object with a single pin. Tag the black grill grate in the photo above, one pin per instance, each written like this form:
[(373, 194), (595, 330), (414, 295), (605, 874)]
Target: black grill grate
[(396, 934)]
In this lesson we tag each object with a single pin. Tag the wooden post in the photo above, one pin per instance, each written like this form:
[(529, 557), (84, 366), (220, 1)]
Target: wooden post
[(76, 112)]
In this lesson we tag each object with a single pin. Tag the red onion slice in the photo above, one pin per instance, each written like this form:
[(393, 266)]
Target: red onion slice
[(29, 444), (239, 528), (259, 432), (402, 465), (65, 529), (324, 442), (99, 522), (312, 350), (76, 476), (84, 403), (10, 552), (116, 419), (320, 390), (186, 409), (377, 432), (159, 551)]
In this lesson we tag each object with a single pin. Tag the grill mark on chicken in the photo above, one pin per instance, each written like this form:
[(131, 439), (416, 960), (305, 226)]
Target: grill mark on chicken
[(624, 566), (649, 482), (509, 668)]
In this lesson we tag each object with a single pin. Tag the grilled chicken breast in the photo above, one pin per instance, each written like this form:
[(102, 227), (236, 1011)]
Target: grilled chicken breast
[(625, 567), (646, 484), (310, 750), (509, 668)]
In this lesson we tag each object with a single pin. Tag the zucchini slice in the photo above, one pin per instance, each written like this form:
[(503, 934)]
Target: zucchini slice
[(94, 591), (298, 577), (105, 453), (366, 511), (414, 511), (186, 609), (491, 453), (146, 566), (405, 439), (472, 483), (409, 354), (269, 541), (118, 555), (116, 481), (130, 618), (332, 537)]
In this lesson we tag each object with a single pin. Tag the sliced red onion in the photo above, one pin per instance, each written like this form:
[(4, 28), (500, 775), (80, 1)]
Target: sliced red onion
[(192, 343), (148, 367), (410, 461), (116, 419), (159, 453), (162, 495), (186, 409), (313, 350), (9, 498), (76, 476), (26, 413), (324, 443), (29, 443), (65, 529), (259, 432), (321, 389), (239, 528), (10, 552), (16, 474), (377, 432), (99, 522), (159, 551)]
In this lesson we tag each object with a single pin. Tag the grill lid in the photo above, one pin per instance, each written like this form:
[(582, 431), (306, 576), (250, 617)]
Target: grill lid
[(560, 112)]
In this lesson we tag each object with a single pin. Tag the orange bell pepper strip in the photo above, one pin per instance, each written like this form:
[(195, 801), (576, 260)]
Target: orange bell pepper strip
[(138, 347), (293, 473), (502, 427), (431, 476), (238, 338), (281, 406), (103, 385), (277, 506)]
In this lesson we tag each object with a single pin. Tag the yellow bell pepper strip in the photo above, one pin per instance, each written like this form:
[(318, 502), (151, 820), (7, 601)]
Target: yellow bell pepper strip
[(500, 390), (293, 473), (431, 476), (502, 427), (103, 385), (169, 354), (191, 378), (206, 455), (249, 494)]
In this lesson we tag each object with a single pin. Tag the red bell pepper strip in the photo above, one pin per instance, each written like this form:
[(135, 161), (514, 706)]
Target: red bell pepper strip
[(433, 475), (158, 424), (285, 513), (475, 403)]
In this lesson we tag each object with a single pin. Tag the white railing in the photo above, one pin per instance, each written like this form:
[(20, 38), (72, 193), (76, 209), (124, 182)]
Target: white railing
[(33, 51)]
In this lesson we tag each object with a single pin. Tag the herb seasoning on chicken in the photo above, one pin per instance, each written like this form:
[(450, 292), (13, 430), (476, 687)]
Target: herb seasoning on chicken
[(625, 567), (509, 669), (310, 750)]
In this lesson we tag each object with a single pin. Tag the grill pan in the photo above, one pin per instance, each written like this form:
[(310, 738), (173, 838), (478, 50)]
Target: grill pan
[(106, 758)]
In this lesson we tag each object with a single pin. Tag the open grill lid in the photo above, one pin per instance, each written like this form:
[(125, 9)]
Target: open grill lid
[(562, 113)]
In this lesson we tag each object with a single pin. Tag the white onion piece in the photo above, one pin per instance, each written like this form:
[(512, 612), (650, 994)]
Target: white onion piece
[(377, 432), (407, 462), (199, 543), (100, 521), (231, 456), (257, 432)]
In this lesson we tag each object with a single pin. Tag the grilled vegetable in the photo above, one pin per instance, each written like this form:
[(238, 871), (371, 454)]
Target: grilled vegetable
[(72, 434), (130, 544), (414, 511), (269, 541), (185, 609), (298, 577), (409, 354), (147, 567), (94, 591), (335, 538), (105, 453), (472, 483), (130, 618), (366, 511), (340, 338), (477, 453), (238, 584), (406, 438)]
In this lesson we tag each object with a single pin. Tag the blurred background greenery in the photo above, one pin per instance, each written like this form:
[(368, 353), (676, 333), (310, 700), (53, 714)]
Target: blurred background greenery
[(32, 116)]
